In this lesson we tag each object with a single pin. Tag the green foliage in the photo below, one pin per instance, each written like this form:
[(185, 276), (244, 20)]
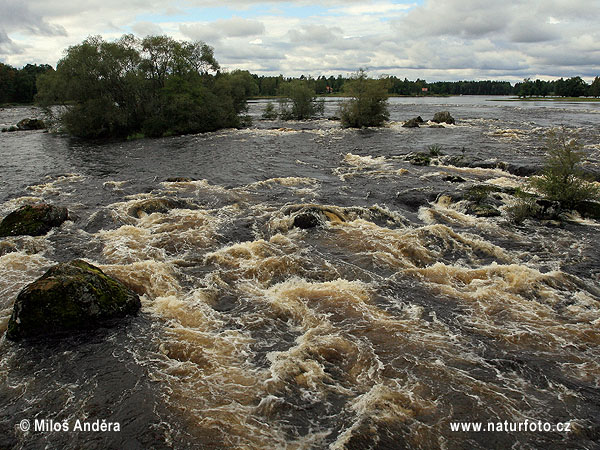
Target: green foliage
[(563, 179), (269, 112), (368, 106), (299, 101), (155, 86), (523, 208), (435, 149)]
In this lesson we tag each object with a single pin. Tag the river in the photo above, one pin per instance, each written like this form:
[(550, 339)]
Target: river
[(398, 319)]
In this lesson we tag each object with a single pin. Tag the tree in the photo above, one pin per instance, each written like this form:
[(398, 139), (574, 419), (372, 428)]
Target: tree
[(563, 179), (368, 106), (155, 86), (595, 88), (299, 101)]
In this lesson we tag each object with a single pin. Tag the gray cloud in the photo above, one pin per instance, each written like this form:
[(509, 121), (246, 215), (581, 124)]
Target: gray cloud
[(146, 29), (235, 27)]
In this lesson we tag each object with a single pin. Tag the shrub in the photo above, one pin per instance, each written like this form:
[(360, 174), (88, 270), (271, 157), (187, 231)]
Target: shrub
[(269, 112), (368, 106), (299, 101), (563, 179)]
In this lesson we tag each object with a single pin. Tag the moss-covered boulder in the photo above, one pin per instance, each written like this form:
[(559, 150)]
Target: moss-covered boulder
[(70, 296), (31, 124), (443, 117), (33, 220)]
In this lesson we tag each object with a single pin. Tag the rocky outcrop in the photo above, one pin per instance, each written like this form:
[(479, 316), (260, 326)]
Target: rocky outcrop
[(33, 220), (415, 122), (156, 205), (31, 124), (70, 296), (443, 117)]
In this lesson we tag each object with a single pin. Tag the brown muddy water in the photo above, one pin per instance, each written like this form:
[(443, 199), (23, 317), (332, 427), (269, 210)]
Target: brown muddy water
[(399, 317)]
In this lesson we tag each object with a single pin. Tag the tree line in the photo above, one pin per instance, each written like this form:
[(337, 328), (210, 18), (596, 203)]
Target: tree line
[(19, 85)]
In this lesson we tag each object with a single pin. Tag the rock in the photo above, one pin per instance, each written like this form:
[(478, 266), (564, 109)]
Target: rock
[(315, 216), (589, 209), (454, 179), (419, 159), (443, 117), (415, 198), (308, 219), (482, 210), (31, 124), (70, 296), (155, 205), (413, 123), (179, 180), (33, 220)]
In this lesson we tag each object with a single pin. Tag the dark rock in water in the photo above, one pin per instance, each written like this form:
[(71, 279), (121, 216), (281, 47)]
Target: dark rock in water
[(33, 220), (415, 198), (315, 216), (179, 180), (414, 122), (156, 205), (443, 117), (31, 124), (69, 296), (482, 210), (589, 209), (419, 159), (547, 209), (308, 219), (454, 179)]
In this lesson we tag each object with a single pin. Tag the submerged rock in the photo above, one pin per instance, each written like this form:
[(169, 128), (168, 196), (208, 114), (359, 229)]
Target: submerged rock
[(443, 117), (69, 296), (33, 220), (156, 205), (413, 123), (31, 124)]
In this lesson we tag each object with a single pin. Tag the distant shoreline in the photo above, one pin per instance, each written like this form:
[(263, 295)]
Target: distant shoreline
[(549, 99)]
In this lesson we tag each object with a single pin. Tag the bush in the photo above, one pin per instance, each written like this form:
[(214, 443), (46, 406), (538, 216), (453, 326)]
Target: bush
[(563, 179), (299, 101), (368, 106), (269, 112)]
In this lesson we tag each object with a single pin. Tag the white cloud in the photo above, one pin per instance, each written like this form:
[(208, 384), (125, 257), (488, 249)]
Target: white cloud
[(438, 39)]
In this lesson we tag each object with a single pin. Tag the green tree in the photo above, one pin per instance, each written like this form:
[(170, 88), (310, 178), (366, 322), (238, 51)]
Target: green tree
[(299, 101), (563, 179), (155, 86), (368, 106)]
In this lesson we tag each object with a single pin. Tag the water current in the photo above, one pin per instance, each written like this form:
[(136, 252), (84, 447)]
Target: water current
[(398, 317)]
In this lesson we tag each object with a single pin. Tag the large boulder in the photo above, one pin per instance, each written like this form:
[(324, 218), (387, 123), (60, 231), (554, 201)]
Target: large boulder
[(443, 117), (69, 296), (31, 124), (33, 220), (413, 123)]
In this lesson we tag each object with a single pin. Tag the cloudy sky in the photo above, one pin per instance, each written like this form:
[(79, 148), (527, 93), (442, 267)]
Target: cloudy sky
[(430, 39)]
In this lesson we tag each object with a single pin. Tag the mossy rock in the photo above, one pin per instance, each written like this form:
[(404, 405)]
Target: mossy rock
[(443, 117), (31, 124), (420, 159), (482, 210), (33, 220), (413, 123), (69, 296), (156, 205)]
